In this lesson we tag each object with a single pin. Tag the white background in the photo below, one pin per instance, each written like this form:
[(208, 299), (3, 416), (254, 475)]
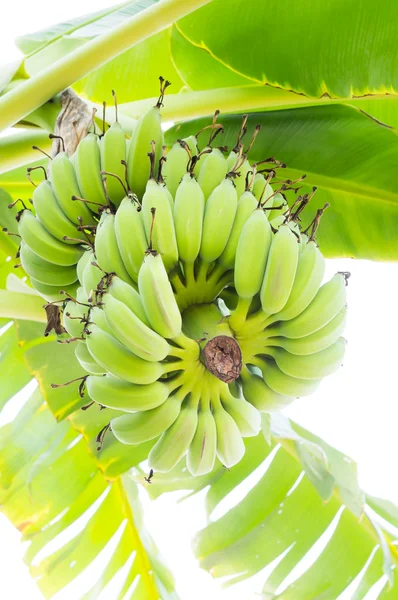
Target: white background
[(355, 409)]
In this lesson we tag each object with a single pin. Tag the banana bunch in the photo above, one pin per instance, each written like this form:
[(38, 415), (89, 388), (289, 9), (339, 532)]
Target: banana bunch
[(194, 298)]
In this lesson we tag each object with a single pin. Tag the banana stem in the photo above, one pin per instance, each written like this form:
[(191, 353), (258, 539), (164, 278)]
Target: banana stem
[(37, 90), (217, 272), (189, 273), (176, 282), (239, 315), (202, 272), (29, 307)]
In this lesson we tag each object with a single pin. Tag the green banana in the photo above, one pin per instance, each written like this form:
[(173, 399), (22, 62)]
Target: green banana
[(52, 292), (260, 395), (202, 451), (158, 297), (230, 446), (88, 170), (280, 271), (44, 244), (129, 296), (83, 260), (188, 218), (147, 130), (44, 271), (132, 332), (246, 205), (122, 395), (65, 185), (218, 220), (307, 281), (112, 153), (175, 441), (147, 425), (161, 224), (328, 302), (175, 166), (98, 318), (118, 360), (74, 318), (251, 255), (86, 360), (51, 215), (130, 235), (92, 275), (283, 384), (107, 250), (312, 366), (315, 342), (212, 172), (246, 416)]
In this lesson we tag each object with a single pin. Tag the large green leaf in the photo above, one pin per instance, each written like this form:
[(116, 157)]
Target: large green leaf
[(51, 486), (348, 156), (281, 517), (338, 48)]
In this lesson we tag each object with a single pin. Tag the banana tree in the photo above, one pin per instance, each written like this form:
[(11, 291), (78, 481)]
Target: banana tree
[(207, 315)]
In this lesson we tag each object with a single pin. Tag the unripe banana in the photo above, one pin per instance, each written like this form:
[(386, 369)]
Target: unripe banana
[(260, 395), (107, 250), (175, 167), (83, 261), (97, 317), (44, 271), (128, 397), (312, 366), (175, 441), (246, 416), (112, 152), (192, 143), (130, 235), (88, 170), (86, 360), (92, 275), (132, 332), (202, 451), (73, 318), (143, 426), (147, 129), (52, 292), (163, 232), (188, 218), (280, 271), (158, 297), (283, 384), (308, 278), (65, 185), (315, 342), (251, 255), (127, 294), (212, 172), (118, 360), (44, 244), (230, 446), (246, 205), (218, 220), (327, 303), (51, 215)]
